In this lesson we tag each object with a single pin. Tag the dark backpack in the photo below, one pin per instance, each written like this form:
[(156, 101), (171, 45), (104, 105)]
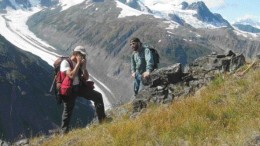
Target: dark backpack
[(155, 55), (58, 79)]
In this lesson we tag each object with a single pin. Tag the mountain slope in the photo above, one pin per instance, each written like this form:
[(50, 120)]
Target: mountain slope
[(226, 112), (26, 107), (247, 28)]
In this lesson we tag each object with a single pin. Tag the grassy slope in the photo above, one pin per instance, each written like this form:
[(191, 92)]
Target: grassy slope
[(226, 112)]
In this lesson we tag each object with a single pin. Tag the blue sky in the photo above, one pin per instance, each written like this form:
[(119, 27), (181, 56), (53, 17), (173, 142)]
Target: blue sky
[(237, 9)]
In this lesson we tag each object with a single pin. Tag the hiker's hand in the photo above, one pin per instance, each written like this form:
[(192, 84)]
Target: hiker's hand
[(79, 58), (83, 63), (240, 74), (146, 74), (133, 75)]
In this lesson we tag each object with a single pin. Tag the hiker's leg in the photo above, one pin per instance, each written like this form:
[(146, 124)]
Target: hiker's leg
[(97, 98), (136, 84), (68, 103), (141, 85)]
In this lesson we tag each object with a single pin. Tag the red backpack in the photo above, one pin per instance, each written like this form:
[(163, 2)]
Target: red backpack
[(62, 84)]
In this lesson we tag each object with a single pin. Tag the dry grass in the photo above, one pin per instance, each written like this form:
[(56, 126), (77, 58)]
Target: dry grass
[(227, 112)]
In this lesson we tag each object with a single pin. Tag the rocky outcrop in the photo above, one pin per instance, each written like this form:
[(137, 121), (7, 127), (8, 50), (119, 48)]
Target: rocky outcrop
[(173, 82)]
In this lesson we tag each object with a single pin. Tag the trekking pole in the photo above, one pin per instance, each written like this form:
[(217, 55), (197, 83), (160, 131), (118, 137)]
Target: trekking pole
[(53, 82), (242, 73)]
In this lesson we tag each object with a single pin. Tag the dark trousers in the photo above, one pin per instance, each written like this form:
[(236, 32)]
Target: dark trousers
[(69, 102)]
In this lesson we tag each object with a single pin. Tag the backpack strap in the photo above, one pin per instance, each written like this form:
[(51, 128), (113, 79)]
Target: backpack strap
[(71, 66), (70, 62)]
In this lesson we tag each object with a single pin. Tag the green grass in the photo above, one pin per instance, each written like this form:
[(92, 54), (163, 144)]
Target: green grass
[(225, 112)]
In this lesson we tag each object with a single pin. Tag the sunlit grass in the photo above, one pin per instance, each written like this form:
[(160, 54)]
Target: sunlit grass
[(226, 112)]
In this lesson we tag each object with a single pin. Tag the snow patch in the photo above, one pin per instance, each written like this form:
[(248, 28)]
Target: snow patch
[(246, 34), (66, 4), (170, 33), (172, 24), (128, 11)]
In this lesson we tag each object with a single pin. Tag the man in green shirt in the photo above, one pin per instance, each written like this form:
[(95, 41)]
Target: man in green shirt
[(141, 63)]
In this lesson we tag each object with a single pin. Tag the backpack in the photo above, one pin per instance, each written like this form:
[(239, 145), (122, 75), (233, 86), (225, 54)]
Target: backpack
[(59, 77), (156, 58), (155, 55)]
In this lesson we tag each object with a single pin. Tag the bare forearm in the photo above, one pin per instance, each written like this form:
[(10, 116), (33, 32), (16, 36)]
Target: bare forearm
[(73, 73), (85, 74)]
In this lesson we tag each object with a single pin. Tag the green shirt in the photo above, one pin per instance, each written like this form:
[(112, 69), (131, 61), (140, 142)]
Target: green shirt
[(142, 61)]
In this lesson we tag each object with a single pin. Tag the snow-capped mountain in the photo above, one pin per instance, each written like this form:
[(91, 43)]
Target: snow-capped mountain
[(195, 14), (136, 4), (248, 25), (248, 21), (205, 15)]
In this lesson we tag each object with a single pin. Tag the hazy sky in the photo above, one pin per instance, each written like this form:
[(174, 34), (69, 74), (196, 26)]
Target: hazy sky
[(229, 9), (237, 9)]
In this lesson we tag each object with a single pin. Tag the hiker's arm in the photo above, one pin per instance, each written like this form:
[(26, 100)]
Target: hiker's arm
[(73, 73), (149, 61), (85, 73)]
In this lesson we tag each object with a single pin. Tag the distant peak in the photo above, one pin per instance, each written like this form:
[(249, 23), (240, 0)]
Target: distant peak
[(198, 6), (184, 5)]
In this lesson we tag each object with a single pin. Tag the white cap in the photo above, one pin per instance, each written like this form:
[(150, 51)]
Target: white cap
[(80, 49)]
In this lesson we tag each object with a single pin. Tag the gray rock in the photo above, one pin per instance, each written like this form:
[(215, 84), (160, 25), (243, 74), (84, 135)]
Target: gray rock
[(236, 62), (170, 83), (164, 76), (4, 143), (22, 142), (258, 56), (254, 140)]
